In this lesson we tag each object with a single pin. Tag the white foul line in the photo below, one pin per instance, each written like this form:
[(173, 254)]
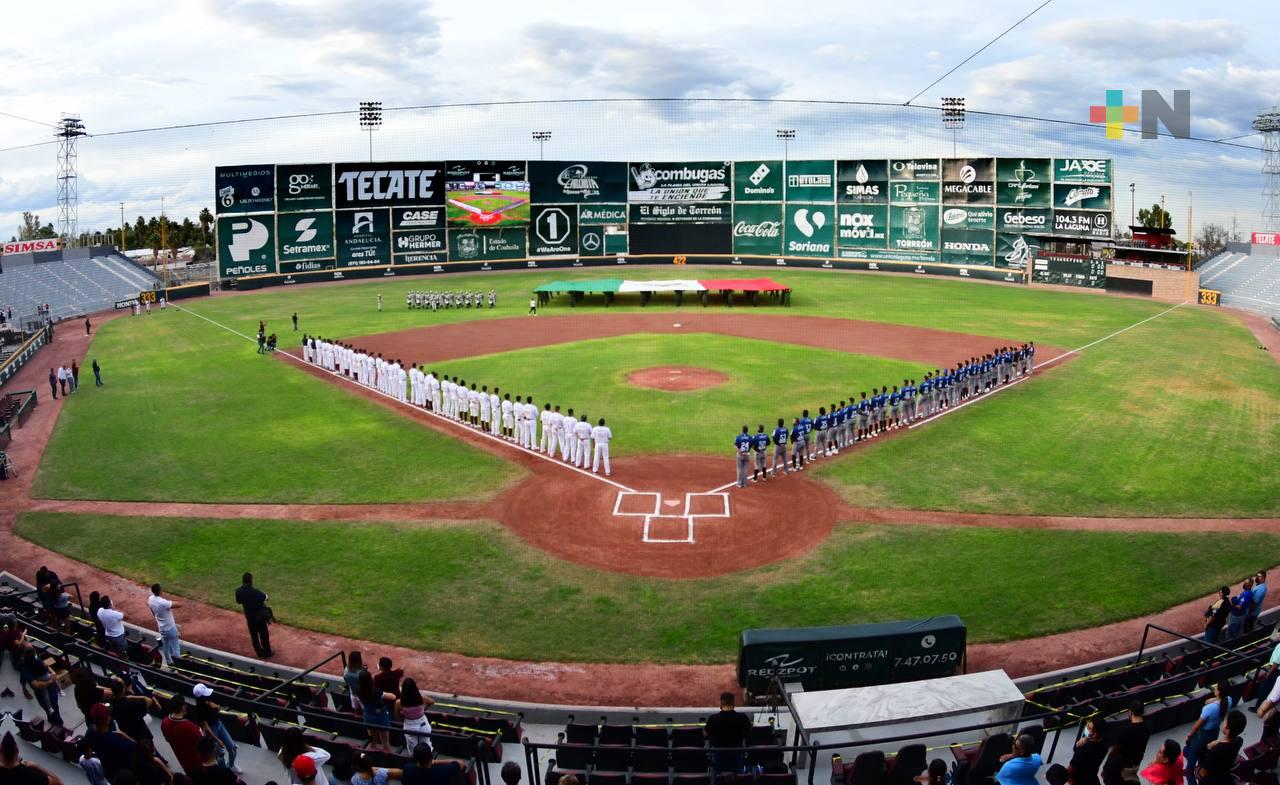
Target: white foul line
[(1112, 335), (411, 407)]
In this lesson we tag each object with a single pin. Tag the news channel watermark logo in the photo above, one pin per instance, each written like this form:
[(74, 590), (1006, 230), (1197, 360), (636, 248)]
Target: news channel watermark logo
[(1152, 112)]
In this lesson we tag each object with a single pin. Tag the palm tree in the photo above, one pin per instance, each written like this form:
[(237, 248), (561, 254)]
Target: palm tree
[(206, 219)]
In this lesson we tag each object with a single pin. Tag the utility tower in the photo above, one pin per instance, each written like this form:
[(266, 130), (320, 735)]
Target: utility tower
[(1268, 124), (68, 131)]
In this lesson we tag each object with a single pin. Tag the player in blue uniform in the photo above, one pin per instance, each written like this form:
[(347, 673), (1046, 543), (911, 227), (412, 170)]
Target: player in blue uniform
[(760, 444), (864, 417), (742, 446), (807, 424), (780, 447), (820, 425), (797, 445), (908, 400)]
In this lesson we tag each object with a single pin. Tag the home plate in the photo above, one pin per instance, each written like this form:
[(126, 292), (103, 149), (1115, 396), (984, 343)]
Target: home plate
[(677, 324), (671, 502)]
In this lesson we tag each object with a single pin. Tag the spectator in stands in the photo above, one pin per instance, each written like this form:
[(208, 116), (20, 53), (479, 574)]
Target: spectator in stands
[(727, 728), (148, 767), (1239, 611), (569, 779), (351, 678), (34, 673), (1087, 757), (425, 771), (305, 770), (208, 716), (53, 383), (1205, 729), (1128, 745), (91, 765), (162, 609), (936, 774), (97, 373), (256, 614), (368, 774), (113, 748), (373, 705), (1270, 674), (1216, 615), (61, 609), (1259, 594), (15, 771), (131, 711), (293, 747), (113, 627), (182, 735), (85, 687), (510, 773), (411, 710), (1220, 756), (13, 637), (1020, 766), (1166, 769), (99, 633), (210, 771), (386, 679)]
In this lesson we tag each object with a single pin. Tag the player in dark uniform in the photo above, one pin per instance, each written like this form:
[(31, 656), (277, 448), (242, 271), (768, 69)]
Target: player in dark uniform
[(807, 424), (864, 417), (760, 443), (895, 407), (780, 447), (820, 425), (742, 447), (797, 445)]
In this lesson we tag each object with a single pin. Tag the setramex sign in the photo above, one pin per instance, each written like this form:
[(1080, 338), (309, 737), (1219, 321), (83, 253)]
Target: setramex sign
[(32, 246)]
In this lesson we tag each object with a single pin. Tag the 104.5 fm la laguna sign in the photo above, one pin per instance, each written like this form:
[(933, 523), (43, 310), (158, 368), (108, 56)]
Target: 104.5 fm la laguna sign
[(32, 246)]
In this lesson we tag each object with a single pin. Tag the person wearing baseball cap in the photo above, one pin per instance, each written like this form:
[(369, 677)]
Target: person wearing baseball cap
[(208, 716), (304, 769)]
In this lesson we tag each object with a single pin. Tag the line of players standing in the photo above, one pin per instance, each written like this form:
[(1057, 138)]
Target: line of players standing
[(852, 421), (434, 301)]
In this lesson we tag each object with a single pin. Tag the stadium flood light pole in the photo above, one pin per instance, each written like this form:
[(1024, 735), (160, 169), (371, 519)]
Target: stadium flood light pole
[(786, 135), (67, 131), (953, 119), (541, 137), (370, 120), (122, 248), (1133, 203), (1268, 124)]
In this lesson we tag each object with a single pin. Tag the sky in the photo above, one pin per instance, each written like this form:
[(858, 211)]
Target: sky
[(136, 65)]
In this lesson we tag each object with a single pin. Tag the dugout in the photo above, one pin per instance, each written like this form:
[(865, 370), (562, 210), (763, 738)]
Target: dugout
[(852, 655)]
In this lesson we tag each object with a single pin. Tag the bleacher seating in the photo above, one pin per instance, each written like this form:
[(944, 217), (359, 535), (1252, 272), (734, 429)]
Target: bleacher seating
[(71, 287), (1248, 282)]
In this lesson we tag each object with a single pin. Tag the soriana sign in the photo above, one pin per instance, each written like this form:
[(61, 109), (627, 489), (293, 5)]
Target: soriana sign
[(31, 246), (1266, 238)]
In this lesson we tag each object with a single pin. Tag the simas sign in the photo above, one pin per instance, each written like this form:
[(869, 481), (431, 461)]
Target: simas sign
[(862, 181), (388, 184), (698, 181), (32, 246)]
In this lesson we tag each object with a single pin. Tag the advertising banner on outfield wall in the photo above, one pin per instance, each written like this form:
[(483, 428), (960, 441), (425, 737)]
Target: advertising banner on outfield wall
[(388, 184), (363, 237), (915, 169), (1082, 170), (304, 236), (810, 230), (304, 187), (757, 181), (306, 266), (968, 246), (245, 246), (486, 244), (913, 228), (601, 239), (918, 192), (680, 181), (245, 189), (811, 181), (602, 214), (553, 230), (890, 255), (863, 181), (863, 226), (415, 218), (577, 182), (673, 213), (1094, 225), (1024, 182), (757, 229), (486, 193), (969, 181), (1014, 250), (1082, 197), (1015, 219), (968, 217), (418, 246)]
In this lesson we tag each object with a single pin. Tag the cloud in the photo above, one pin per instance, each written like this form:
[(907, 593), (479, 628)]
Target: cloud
[(611, 62), (1144, 40)]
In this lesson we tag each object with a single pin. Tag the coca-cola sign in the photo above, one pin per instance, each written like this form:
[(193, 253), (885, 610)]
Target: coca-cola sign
[(757, 229)]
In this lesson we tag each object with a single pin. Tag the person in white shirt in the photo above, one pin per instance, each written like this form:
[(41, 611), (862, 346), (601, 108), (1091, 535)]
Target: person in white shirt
[(601, 434), (582, 432), (433, 391), (508, 417), (484, 408), (113, 627), (495, 413), (556, 421), (530, 438), (162, 609), (569, 453)]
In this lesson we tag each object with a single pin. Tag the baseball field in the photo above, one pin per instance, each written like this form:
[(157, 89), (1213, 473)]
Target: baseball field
[(1122, 479)]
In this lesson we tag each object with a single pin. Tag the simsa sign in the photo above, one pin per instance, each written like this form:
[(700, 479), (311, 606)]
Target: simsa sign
[(275, 219)]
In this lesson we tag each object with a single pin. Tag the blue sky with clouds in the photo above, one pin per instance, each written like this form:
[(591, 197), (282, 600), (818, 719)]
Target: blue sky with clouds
[(142, 64)]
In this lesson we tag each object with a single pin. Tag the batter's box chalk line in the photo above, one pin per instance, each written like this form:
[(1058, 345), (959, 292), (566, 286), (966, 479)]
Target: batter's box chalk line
[(659, 524)]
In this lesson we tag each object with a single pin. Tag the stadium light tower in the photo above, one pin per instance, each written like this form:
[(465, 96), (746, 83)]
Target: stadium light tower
[(786, 135), (370, 120), (68, 130), (1268, 124), (541, 137), (953, 119)]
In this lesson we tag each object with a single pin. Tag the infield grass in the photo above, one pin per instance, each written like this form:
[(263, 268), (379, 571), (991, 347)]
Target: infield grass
[(190, 412), (475, 589)]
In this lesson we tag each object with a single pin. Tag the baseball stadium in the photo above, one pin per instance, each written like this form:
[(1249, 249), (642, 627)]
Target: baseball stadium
[(878, 425)]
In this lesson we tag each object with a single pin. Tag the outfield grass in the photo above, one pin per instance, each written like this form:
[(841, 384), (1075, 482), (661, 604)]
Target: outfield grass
[(766, 381), (191, 412), (1178, 417), (480, 591)]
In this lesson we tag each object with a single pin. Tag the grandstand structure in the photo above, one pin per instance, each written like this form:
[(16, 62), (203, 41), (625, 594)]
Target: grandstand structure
[(72, 283), (1248, 277)]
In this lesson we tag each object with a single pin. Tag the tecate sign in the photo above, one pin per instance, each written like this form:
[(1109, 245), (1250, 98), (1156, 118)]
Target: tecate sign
[(32, 246), (386, 185)]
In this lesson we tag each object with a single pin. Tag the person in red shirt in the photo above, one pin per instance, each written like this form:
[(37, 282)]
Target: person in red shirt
[(386, 679), (183, 735)]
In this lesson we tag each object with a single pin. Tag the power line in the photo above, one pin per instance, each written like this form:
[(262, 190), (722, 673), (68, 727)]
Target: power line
[(28, 120), (975, 54)]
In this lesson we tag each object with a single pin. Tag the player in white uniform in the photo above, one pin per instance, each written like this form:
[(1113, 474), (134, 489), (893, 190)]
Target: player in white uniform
[(601, 435), (582, 434), (473, 406), (570, 451), (433, 391), (546, 444), (529, 416), (484, 408), (495, 413), (556, 421), (508, 418)]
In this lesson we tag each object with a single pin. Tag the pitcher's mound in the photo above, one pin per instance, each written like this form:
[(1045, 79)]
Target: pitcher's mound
[(676, 378)]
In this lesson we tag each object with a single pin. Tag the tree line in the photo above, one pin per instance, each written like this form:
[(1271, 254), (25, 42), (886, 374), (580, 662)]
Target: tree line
[(143, 232)]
